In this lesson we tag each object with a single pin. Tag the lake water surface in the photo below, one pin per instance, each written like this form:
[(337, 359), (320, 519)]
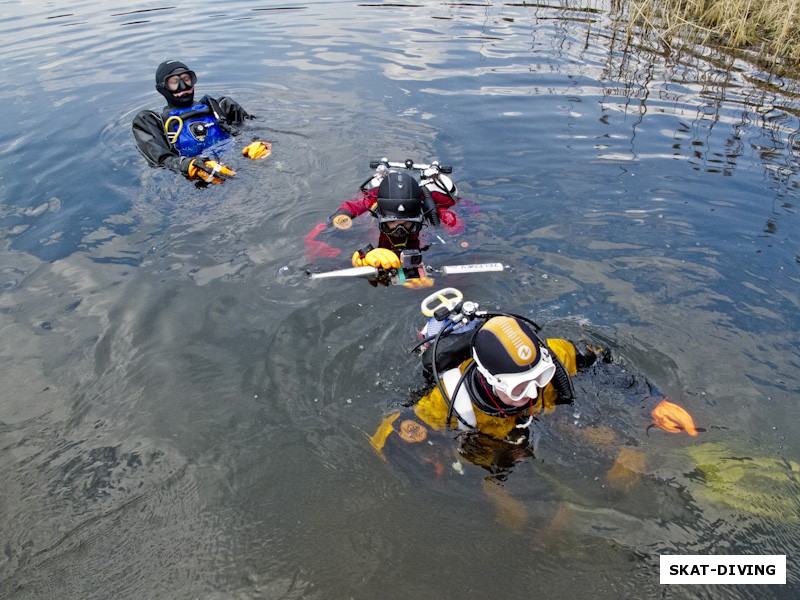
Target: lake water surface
[(182, 419)]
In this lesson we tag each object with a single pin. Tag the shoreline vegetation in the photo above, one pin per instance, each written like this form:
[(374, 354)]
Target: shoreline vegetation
[(768, 31)]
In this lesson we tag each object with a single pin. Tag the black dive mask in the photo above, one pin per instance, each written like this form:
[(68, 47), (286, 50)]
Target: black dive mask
[(401, 230), (180, 82)]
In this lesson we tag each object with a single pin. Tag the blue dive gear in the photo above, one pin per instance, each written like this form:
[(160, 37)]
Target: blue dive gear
[(192, 131)]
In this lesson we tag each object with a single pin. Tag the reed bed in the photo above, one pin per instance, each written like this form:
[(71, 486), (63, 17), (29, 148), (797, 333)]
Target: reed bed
[(768, 30)]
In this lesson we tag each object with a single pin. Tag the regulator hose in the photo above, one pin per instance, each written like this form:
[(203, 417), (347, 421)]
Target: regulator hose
[(561, 380), (429, 207)]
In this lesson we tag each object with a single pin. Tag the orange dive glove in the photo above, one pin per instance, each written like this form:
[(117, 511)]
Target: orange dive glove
[(208, 170), (671, 417)]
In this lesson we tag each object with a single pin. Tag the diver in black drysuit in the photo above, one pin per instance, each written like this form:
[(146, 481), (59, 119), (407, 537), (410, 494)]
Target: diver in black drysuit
[(185, 129)]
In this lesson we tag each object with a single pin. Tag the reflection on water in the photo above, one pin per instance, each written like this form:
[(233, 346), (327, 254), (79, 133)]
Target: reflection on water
[(178, 417)]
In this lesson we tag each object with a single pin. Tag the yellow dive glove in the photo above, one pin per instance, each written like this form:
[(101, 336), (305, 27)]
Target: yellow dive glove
[(382, 258), (419, 282), (257, 150)]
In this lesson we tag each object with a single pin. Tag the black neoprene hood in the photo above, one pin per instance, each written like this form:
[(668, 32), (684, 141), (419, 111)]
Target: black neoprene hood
[(166, 68), (512, 347), (399, 197)]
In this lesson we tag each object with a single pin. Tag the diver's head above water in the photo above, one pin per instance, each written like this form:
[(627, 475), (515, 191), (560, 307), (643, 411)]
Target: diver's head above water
[(175, 81)]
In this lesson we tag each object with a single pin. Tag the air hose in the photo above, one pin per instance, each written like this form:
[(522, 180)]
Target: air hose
[(429, 208)]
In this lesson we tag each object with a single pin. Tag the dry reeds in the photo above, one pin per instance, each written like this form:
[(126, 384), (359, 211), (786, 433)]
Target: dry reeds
[(768, 28)]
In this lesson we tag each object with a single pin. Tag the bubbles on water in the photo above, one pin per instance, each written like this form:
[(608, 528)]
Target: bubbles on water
[(284, 274)]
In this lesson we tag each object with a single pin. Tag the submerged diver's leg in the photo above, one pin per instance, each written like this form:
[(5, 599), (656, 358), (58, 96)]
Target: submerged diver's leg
[(625, 473), (509, 512)]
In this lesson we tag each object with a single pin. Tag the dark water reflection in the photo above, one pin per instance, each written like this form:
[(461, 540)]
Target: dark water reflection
[(178, 420)]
